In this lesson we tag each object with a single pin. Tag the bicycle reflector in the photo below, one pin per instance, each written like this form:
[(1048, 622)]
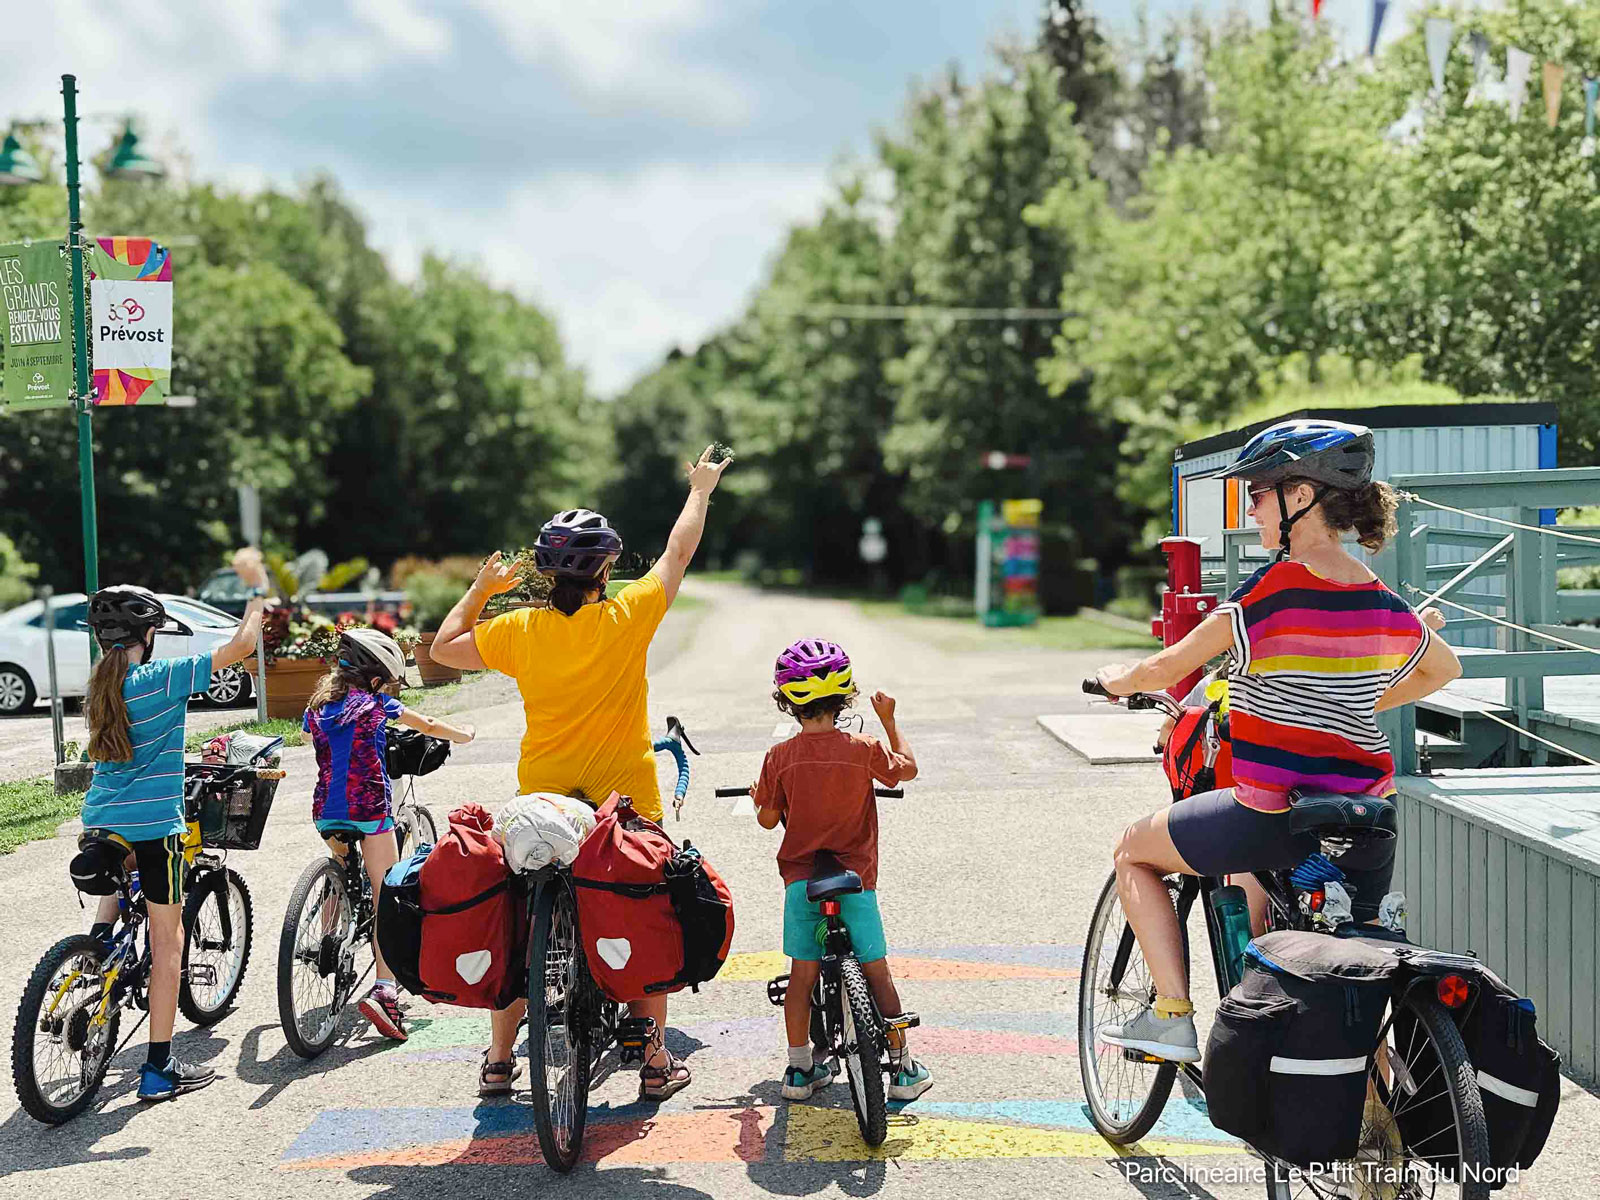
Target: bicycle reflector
[(830, 908), (1318, 900), (1453, 991)]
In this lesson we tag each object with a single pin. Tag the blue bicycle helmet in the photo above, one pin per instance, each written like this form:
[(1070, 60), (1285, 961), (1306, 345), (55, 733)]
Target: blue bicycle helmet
[(576, 544), (1330, 454)]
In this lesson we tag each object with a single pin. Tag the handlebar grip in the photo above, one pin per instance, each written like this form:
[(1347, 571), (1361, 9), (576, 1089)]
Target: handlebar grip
[(1092, 687), (725, 793), (891, 793), (271, 773)]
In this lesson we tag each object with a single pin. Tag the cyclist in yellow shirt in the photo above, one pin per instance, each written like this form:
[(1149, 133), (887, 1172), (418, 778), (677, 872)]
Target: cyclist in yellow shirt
[(580, 667)]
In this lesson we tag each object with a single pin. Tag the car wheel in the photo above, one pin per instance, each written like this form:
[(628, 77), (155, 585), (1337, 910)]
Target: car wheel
[(228, 686), (16, 690)]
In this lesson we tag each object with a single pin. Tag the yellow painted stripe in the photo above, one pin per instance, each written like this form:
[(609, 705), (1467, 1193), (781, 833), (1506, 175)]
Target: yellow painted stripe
[(831, 1135), (752, 967), (1326, 666)]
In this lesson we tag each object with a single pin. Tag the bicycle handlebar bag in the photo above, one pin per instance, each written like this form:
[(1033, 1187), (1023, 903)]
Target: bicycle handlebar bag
[(1183, 758), (1286, 1063), (412, 752), (654, 918)]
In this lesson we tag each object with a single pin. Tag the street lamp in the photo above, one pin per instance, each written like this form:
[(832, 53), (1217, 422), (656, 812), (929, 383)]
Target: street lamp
[(127, 161)]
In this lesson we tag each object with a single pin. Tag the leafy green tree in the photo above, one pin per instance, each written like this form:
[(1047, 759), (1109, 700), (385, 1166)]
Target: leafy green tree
[(16, 575)]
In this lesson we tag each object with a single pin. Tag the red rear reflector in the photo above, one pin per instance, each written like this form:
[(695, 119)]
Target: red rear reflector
[(1319, 898), (1453, 991), (830, 908)]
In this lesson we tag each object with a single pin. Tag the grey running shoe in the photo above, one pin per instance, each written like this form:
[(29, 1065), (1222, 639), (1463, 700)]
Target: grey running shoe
[(1171, 1038)]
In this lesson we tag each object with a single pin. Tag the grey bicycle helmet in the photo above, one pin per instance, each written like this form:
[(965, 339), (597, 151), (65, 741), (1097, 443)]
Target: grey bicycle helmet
[(373, 653), (576, 544), (122, 615)]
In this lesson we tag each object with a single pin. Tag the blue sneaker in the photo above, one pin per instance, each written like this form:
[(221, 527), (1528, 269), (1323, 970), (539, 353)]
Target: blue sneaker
[(173, 1080), (799, 1085), (909, 1080)]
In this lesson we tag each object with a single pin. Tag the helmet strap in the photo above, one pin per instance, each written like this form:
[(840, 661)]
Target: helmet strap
[(1286, 522)]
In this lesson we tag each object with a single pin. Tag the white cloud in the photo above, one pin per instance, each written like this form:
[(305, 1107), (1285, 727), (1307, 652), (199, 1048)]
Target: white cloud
[(629, 267), (404, 25)]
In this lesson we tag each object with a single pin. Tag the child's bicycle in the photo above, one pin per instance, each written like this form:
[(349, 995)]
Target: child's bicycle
[(846, 1025), (71, 1010), (572, 1024), (1127, 1089), (331, 911)]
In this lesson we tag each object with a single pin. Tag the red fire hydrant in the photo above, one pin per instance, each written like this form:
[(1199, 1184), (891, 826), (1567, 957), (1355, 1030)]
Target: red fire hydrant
[(1183, 605)]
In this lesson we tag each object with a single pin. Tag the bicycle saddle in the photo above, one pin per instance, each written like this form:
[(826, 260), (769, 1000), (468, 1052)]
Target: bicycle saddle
[(1330, 814), (97, 869), (830, 878)]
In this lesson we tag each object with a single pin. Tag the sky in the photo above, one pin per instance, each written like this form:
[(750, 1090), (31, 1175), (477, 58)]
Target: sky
[(631, 167)]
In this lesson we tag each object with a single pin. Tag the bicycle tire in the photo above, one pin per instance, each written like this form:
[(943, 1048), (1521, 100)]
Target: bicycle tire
[(1459, 1081), (424, 829), (26, 1029), (288, 950), (556, 965), (1097, 956), (228, 883), (863, 1052)]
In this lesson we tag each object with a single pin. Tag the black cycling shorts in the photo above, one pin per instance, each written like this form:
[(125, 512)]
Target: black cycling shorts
[(160, 863)]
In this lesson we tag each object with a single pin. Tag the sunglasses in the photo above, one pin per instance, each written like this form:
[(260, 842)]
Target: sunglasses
[(1256, 493)]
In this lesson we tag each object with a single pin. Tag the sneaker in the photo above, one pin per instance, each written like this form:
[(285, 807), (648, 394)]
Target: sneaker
[(800, 1085), (381, 1006), (172, 1080), (1169, 1038), (909, 1080)]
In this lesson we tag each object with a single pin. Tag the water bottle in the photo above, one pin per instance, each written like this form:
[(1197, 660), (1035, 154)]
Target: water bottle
[(1232, 912)]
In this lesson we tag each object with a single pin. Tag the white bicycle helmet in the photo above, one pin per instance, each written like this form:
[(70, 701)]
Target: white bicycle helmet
[(372, 652)]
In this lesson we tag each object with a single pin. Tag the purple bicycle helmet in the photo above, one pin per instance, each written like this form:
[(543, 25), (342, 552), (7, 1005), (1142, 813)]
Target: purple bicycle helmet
[(576, 544), (811, 669)]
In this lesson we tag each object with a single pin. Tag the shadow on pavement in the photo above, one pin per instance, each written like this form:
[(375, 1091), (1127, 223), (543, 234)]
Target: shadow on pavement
[(772, 1174), (449, 1181), (286, 1067)]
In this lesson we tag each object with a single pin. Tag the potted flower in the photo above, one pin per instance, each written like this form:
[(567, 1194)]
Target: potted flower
[(301, 646)]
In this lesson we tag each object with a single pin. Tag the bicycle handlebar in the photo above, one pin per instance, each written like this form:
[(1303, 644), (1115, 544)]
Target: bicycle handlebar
[(725, 793), (677, 738)]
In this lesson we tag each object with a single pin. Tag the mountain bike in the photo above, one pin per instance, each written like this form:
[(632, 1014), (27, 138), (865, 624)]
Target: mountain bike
[(330, 921), (573, 1027), (846, 1025), (1127, 1089), (70, 1014)]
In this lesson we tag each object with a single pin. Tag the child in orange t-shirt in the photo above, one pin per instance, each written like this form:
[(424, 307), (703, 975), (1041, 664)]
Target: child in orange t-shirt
[(819, 784)]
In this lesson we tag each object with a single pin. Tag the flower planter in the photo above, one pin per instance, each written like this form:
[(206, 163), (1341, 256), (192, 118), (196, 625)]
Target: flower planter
[(433, 673), (290, 682)]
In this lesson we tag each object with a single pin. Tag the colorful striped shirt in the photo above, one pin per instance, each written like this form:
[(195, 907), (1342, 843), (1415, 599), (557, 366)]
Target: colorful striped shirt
[(142, 799), (1309, 659)]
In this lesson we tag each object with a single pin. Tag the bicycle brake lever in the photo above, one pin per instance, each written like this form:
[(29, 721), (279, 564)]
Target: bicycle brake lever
[(675, 729)]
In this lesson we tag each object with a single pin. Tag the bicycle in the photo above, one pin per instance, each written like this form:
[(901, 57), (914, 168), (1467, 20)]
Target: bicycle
[(846, 1025), (332, 910), (1127, 1089), (572, 1025), (70, 1014)]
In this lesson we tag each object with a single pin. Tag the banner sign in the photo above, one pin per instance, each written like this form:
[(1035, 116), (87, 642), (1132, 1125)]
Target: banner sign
[(34, 331), (1008, 562), (131, 300)]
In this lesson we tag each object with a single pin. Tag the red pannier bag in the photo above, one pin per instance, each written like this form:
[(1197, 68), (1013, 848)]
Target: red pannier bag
[(653, 918), (474, 917), (1184, 757)]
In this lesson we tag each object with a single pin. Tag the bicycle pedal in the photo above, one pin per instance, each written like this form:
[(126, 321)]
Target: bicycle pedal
[(1139, 1056), (778, 990), (203, 974), (906, 1020), (633, 1037)]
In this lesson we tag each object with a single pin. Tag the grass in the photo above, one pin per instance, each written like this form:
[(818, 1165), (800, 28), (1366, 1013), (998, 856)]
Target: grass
[(961, 631), (290, 731), (420, 698), (30, 810)]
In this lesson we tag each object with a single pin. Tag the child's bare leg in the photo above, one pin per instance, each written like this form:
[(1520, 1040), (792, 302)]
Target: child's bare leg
[(888, 1000), (797, 1003), (379, 852)]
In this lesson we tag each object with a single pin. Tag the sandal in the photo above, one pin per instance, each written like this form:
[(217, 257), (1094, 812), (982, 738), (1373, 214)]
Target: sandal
[(507, 1075), (662, 1083)]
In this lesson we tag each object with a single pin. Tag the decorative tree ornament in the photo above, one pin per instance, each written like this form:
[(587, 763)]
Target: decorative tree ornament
[(1380, 9), (1481, 69), (1438, 33), (1591, 90), (1519, 65)]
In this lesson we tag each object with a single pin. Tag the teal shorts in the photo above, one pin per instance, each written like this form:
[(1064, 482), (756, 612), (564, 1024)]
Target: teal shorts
[(365, 828), (801, 918)]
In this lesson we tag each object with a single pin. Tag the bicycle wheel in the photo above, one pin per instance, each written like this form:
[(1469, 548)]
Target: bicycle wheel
[(424, 831), (863, 1052), (59, 1051), (560, 1038), (1125, 1096), (214, 966), (1421, 1061), (316, 958)]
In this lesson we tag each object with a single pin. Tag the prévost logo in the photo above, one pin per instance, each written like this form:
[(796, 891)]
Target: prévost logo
[(38, 383)]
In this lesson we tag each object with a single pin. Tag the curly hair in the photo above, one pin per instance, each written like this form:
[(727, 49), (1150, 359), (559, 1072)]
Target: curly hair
[(826, 705), (1368, 510)]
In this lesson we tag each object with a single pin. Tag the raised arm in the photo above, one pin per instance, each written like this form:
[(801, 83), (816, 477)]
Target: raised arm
[(1167, 667), (454, 645), (247, 562), (685, 538)]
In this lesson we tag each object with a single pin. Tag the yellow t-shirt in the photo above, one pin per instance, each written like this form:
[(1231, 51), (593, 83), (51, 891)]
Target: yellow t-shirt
[(584, 694)]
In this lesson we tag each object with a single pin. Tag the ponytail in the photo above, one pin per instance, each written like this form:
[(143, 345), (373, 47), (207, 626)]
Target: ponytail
[(105, 710), (335, 686), (569, 595), (1368, 510)]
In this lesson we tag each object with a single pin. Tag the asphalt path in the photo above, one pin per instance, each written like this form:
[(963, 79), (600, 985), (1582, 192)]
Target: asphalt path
[(990, 867)]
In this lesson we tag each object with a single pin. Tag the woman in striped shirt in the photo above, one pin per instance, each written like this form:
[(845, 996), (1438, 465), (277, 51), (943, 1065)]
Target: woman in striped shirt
[(1316, 646)]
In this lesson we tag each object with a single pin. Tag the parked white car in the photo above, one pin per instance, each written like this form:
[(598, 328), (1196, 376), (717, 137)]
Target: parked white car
[(25, 673)]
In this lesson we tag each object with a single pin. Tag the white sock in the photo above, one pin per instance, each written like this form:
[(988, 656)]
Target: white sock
[(386, 985), (800, 1057)]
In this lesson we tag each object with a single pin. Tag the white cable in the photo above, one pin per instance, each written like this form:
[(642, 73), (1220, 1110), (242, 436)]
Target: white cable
[(1548, 530), (1549, 637), (1537, 738)]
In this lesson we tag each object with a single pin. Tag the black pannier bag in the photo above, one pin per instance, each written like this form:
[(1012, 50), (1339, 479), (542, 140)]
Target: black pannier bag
[(1287, 1061), (412, 752), (1519, 1076)]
